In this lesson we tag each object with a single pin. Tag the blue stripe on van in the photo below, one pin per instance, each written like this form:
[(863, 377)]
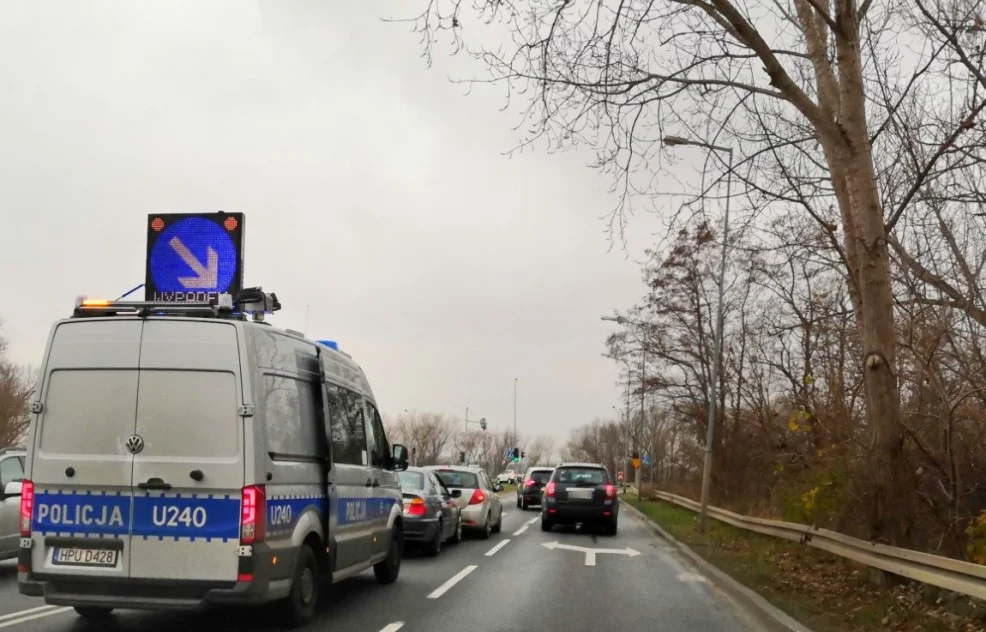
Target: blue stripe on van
[(70, 513), (362, 510), (283, 513), (195, 517)]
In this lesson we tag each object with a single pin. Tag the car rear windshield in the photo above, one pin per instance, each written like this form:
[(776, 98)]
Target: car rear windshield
[(412, 480), (462, 480), (581, 475), (541, 476)]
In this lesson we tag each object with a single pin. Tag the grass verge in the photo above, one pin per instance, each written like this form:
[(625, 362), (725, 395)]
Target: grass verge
[(824, 592)]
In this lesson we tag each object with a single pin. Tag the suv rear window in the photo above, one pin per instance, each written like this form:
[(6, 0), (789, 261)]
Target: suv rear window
[(541, 476), (453, 478), (581, 475)]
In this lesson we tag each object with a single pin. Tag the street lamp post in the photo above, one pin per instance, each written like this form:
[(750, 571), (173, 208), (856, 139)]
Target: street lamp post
[(717, 351), (515, 409), (643, 387)]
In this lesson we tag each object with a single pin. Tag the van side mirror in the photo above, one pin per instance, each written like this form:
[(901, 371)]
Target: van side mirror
[(456, 493), (11, 490), (399, 454)]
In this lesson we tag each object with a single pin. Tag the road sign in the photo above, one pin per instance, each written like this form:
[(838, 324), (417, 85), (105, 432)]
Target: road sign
[(635, 462), (193, 256), (647, 460), (590, 554), (619, 476)]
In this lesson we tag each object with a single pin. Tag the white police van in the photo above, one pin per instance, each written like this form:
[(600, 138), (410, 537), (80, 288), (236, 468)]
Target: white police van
[(181, 456)]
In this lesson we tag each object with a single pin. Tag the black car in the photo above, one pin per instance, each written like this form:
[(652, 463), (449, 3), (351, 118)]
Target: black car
[(580, 493), (530, 487), (431, 512)]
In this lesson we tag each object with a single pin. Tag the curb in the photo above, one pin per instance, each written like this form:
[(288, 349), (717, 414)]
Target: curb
[(770, 616)]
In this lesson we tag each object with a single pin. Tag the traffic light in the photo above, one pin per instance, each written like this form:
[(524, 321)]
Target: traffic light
[(516, 455), (462, 457), (482, 423)]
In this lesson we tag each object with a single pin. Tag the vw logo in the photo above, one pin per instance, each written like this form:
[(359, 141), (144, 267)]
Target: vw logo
[(135, 444)]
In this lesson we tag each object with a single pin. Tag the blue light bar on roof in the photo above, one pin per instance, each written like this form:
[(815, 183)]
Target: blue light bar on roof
[(331, 344)]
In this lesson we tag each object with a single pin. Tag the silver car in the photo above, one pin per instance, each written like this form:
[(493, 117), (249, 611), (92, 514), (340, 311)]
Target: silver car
[(11, 475), (481, 509)]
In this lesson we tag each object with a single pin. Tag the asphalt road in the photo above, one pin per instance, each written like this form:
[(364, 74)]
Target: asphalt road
[(509, 583)]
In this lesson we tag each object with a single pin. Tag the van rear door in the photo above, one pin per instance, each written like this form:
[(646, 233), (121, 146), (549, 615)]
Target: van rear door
[(189, 475), (80, 464)]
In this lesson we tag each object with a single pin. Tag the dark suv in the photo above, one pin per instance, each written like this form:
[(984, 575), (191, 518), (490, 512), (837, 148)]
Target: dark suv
[(530, 487), (580, 492)]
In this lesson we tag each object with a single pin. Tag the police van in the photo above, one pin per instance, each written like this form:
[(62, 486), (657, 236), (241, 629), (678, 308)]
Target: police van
[(182, 456)]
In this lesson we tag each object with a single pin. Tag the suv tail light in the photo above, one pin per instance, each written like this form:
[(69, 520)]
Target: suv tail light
[(253, 515), (27, 507), (549, 489), (610, 491), (417, 507), (477, 498), (529, 482)]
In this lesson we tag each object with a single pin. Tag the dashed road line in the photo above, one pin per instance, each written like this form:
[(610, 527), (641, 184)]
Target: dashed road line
[(496, 548), (447, 586), (525, 527), (393, 627), (32, 617), (22, 613)]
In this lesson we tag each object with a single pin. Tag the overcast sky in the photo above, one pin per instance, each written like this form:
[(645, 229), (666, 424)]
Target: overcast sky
[(375, 193)]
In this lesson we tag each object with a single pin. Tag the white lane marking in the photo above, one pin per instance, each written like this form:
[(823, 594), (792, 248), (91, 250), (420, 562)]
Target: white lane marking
[(393, 627), (46, 613), (526, 526), (496, 548), (590, 558), (691, 577), (447, 586), (22, 613)]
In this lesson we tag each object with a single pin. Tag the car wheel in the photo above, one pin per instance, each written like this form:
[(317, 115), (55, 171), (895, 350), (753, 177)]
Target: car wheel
[(298, 609), (518, 503), (524, 505), (545, 524), (612, 527), (389, 569), (93, 613), (435, 546), (487, 528), (499, 523), (457, 534)]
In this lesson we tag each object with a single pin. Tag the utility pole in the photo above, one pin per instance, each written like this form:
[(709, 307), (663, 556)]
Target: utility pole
[(515, 409), (716, 372)]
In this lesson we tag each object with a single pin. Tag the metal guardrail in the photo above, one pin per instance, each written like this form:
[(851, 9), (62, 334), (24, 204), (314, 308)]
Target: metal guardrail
[(955, 575)]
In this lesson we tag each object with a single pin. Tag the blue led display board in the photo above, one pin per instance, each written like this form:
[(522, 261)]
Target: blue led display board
[(193, 257)]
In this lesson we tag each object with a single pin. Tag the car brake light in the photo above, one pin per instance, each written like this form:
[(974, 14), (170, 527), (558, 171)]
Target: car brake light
[(253, 522), (27, 507), (417, 508), (529, 483), (478, 497), (549, 489), (610, 491)]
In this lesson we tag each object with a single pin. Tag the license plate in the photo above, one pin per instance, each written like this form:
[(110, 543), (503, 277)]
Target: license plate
[(84, 557), (580, 494)]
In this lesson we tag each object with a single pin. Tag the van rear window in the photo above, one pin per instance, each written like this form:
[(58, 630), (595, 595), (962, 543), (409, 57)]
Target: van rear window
[(88, 411)]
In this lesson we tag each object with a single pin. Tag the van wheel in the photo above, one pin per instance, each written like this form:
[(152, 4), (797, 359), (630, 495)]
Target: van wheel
[(299, 607), (389, 569), (93, 613), (435, 546)]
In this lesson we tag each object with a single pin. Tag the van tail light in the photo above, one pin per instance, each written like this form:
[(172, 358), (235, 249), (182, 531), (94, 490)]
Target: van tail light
[(417, 508), (253, 515), (27, 508), (549, 489), (610, 491), (478, 497)]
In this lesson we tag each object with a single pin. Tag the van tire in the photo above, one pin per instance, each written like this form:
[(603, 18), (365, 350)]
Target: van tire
[(93, 613), (298, 609), (389, 569)]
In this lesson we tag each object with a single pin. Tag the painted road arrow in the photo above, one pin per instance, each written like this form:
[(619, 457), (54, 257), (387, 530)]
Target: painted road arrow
[(590, 554), (207, 276)]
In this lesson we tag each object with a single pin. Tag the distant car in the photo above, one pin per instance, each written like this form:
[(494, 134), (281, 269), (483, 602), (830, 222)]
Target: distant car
[(11, 475), (507, 478), (431, 511), (482, 510), (580, 493), (530, 488)]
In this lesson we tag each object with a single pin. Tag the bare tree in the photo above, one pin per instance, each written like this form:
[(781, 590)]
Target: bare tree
[(16, 388)]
